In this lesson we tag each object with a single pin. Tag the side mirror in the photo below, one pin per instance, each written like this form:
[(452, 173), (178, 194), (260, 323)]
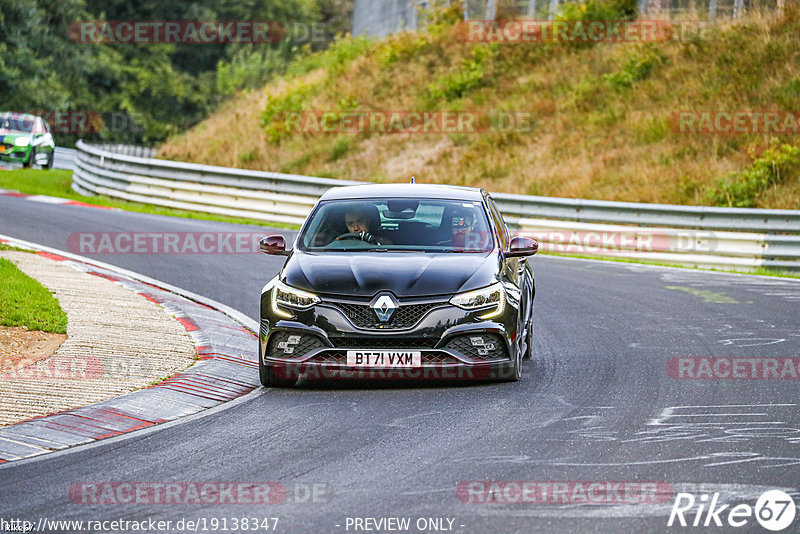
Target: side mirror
[(274, 245), (522, 246)]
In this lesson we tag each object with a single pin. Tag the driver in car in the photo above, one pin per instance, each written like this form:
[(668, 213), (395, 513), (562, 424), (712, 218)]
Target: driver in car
[(358, 227)]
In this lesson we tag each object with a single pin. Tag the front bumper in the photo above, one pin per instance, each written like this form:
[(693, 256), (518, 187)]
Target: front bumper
[(454, 344), (15, 153)]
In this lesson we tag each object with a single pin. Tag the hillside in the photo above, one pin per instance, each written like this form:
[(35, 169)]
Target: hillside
[(603, 122)]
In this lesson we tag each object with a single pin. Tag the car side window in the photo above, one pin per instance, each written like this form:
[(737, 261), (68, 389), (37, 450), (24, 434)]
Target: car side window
[(502, 231)]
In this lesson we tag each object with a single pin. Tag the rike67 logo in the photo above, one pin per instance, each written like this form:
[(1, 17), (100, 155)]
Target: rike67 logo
[(774, 510)]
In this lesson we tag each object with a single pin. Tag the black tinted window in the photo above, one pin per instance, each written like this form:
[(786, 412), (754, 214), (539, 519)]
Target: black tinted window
[(412, 224)]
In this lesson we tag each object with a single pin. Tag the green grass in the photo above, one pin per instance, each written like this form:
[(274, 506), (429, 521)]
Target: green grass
[(25, 302), (58, 183), (4, 246)]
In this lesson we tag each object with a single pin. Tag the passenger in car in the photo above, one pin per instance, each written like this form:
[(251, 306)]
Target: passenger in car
[(465, 237)]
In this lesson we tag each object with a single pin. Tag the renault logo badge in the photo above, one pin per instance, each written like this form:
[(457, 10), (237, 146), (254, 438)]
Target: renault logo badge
[(384, 306)]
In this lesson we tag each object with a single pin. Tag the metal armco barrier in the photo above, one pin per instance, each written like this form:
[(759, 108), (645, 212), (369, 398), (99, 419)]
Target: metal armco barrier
[(266, 196), (727, 238)]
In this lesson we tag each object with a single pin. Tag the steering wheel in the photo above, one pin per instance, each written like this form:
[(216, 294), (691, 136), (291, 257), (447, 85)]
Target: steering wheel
[(362, 236), (350, 235)]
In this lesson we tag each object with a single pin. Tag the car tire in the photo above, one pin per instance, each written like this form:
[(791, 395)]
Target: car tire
[(520, 352), (269, 379), (514, 373), (50, 160), (31, 159), (529, 327)]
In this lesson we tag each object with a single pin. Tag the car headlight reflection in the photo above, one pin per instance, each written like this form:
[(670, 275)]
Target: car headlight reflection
[(22, 141), (493, 297), (287, 296)]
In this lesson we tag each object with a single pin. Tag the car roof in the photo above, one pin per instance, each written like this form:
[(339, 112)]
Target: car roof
[(453, 192)]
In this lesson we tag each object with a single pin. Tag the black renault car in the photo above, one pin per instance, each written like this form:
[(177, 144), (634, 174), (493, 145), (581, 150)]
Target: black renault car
[(399, 281)]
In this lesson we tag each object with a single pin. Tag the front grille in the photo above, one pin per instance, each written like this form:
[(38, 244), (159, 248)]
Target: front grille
[(340, 357), (383, 343), (285, 344), (438, 359), (405, 316), (479, 346)]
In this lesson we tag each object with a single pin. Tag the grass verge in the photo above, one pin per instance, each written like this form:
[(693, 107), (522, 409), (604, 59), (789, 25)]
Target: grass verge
[(25, 302), (4, 246), (58, 183)]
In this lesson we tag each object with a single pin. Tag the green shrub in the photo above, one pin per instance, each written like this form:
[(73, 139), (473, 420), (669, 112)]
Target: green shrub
[(403, 48), (591, 10), (273, 118), (247, 156), (467, 76), (340, 52), (741, 189), (789, 95), (249, 68), (639, 66), (651, 130), (340, 148), (597, 10)]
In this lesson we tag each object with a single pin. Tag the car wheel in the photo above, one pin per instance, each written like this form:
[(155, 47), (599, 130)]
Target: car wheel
[(515, 371), (529, 328), (521, 344), (31, 159), (50, 159), (270, 379)]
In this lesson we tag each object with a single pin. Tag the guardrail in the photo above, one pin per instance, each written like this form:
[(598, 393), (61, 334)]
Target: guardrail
[(730, 238), (127, 150), (64, 158), (266, 196)]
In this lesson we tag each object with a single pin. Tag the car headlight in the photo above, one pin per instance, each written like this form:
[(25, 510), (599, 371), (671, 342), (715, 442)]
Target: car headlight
[(22, 141), (493, 297), (283, 295)]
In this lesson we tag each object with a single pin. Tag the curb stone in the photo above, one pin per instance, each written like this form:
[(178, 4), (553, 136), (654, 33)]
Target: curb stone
[(226, 370)]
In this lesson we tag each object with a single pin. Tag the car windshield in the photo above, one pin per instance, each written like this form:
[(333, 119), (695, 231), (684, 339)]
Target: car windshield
[(398, 224), (16, 123)]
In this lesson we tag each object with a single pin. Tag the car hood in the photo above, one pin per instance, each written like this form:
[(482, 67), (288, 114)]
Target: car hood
[(404, 274)]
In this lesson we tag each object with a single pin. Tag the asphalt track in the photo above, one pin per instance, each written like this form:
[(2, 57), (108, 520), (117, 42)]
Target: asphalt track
[(595, 404)]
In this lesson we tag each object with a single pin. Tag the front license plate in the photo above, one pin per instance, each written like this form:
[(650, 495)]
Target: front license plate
[(384, 358)]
